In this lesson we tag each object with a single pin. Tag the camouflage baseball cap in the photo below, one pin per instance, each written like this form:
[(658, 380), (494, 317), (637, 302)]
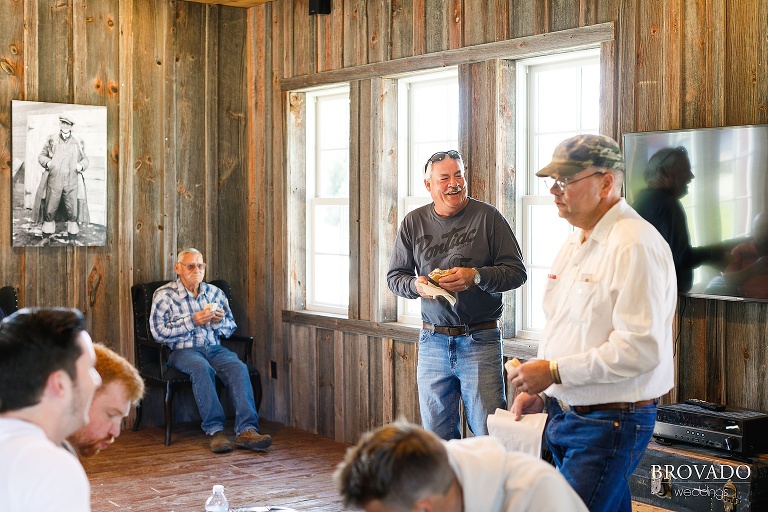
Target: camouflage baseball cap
[(582, 151)]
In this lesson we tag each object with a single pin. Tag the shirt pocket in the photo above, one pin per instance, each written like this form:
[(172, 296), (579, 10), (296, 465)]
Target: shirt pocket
[(581, 300), (550, 296)]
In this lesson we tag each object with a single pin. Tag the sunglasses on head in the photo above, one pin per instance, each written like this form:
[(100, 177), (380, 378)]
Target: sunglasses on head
[(678, 151), (442, 155)]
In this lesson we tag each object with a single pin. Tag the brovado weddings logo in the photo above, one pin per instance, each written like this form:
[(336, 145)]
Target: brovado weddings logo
[(700, 480), (702, 473)]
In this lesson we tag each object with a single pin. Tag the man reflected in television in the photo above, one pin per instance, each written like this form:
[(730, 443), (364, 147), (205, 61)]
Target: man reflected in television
[(668, 174), (747, 271)]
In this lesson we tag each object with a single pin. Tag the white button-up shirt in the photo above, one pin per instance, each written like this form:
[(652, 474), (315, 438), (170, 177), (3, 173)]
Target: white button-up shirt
[(610, 303)]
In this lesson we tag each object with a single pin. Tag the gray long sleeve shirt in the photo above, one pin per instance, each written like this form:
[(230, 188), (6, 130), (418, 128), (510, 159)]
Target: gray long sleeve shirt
[(477, 237)]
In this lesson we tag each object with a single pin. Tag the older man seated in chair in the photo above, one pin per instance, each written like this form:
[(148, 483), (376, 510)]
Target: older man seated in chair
[(190, 317), (121, 386)]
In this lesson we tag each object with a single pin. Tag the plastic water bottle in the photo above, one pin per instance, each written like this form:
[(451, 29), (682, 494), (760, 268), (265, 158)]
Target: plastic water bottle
[(217, 502)]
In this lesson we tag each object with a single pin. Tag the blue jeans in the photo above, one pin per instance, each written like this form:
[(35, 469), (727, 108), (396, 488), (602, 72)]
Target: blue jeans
[(203, 364), (598, 451), (450, 367)]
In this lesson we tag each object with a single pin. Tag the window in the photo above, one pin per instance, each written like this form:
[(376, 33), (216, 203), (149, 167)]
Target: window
[(557, 97), (428, 121), (327, 159)]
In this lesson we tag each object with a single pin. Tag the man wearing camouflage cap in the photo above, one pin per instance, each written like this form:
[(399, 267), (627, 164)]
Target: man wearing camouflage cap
[(605, 354)]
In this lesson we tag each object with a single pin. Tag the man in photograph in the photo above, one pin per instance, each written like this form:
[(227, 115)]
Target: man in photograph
[(61, 192)]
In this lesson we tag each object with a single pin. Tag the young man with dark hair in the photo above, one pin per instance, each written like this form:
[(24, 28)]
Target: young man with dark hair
[(47, 382)]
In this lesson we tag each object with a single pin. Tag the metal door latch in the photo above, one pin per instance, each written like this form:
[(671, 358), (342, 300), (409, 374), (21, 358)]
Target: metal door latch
[(661, 483), (730, 498)]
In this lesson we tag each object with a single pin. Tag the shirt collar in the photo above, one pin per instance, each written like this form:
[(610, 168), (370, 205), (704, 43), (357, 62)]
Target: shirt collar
[(183, 289), (604, 225)]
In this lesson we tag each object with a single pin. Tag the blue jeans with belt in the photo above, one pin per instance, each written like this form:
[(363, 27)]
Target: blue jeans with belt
[(452, 367), (203, 364), (597, 452)]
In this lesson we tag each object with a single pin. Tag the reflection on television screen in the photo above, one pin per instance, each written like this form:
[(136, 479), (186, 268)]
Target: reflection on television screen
[(705, 190)]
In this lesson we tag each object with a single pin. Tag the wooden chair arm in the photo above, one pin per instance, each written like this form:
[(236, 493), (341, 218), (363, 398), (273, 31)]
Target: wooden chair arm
[(159, 350)]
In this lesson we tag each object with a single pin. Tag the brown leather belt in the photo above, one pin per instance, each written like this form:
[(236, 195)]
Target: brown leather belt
[(621, 406), (460, 330)]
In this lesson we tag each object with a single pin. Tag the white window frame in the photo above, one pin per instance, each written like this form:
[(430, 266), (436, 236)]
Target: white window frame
[(526, 183), (409, 310), (312, 96)]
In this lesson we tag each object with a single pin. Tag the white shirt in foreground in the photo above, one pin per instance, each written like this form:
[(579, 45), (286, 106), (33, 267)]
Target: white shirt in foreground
[(609, 304), (36, 475), (495, 480)]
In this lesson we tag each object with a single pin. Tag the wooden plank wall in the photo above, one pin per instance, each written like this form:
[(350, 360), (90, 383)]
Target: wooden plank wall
[(674, 64), (174, 78), (198, 156)]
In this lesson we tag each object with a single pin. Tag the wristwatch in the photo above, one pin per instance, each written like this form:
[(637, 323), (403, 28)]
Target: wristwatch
[(476, 279)]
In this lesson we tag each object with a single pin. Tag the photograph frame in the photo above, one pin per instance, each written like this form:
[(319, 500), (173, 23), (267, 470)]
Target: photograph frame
[(58, 174)]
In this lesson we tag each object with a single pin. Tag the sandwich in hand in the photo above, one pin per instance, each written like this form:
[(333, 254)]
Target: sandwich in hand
[(436, 274)]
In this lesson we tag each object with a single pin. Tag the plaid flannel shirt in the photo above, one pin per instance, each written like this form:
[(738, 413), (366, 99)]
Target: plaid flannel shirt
[(171, 317)]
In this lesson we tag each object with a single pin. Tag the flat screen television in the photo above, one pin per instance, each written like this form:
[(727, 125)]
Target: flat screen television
[(722, 203)]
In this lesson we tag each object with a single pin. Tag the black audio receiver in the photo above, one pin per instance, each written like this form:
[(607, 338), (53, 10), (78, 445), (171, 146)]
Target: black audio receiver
[(732, 429)]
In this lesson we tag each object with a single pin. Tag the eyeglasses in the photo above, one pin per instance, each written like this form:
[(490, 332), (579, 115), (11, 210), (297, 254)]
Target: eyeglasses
[(193, 266), (440, 156), (562, 183)]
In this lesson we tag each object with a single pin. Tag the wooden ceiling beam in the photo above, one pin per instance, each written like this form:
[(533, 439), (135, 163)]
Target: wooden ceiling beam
[(232, 3)]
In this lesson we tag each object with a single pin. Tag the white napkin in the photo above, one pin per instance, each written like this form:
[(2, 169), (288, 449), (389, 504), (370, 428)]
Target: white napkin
[(436, 291), (518, 436)]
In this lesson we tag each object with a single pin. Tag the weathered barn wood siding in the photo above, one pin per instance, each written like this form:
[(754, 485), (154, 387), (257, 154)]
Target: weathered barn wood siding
[(198, 155), (173, 76), (673, 64)]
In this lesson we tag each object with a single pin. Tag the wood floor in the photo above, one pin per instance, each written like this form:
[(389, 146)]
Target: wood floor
[(138, 473)]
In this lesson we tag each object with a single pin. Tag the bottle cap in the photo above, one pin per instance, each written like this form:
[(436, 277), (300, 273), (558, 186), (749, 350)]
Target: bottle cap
[(218, 488)]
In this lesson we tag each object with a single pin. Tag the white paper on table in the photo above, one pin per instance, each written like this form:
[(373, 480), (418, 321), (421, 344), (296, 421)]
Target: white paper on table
[(518, 436), (436, 291)]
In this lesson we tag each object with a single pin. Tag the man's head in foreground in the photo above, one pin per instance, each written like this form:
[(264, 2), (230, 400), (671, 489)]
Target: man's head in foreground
[(399, 467), (47, 374), (121, 386)]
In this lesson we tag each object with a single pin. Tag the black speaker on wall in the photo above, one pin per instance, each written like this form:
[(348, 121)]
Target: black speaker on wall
[(319, 6)]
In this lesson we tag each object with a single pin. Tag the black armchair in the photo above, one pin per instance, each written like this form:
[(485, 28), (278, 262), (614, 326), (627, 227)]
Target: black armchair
[(9, 301), (152, 357)]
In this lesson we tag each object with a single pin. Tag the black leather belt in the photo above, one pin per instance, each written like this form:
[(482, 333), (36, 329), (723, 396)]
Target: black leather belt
[(460, 330), (621, 406)]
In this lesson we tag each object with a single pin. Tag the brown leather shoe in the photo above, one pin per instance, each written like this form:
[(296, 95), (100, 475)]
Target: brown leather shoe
[(219, 442), (252, 440)]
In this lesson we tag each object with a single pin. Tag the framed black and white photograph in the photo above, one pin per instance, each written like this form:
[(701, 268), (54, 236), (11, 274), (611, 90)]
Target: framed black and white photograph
[(59, 174)]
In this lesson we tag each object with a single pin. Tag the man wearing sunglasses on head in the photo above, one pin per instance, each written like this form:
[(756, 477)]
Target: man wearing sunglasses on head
[(190, 317), (668, 175), (460, 340)]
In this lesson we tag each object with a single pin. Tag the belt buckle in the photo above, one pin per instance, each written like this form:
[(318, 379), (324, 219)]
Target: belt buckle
[(564, 406), (462, 330)]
